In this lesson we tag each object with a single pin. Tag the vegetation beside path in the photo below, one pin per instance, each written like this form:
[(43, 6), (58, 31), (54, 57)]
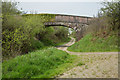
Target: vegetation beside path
[(28, 42), (104, 30), (91, 43), (45, 63)]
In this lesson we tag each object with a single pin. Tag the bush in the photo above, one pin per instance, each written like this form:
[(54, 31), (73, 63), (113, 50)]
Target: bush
[(108, 21), (13, 36), (98, 26), (9, 8), (112, 10), (25, 33)]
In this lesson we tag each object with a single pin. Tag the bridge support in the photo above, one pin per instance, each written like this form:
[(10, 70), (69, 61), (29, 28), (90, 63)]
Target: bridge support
[(80, 31)]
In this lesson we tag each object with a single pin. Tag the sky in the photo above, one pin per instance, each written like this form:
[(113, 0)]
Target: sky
[(60, 0), (88, 8)]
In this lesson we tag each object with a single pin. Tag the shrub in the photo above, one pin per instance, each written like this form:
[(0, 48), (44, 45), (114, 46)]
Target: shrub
[(25, 33)]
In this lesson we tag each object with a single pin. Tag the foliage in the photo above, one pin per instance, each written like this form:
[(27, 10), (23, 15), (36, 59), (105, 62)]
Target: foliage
[(45, 17), (99, 26), (102, 33), (91, 43), (39, 64), (13, 35), (112, 10), (108, 20), (9, 8), (25, 33), (21, 34), (53, 35)]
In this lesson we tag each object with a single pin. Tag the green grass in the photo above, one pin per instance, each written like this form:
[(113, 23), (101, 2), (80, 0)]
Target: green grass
[(63, 42), (95, 44), (80, 63), (45, 63)]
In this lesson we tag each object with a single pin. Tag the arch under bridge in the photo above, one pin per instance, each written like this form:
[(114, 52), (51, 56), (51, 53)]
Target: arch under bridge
[(78, 23)]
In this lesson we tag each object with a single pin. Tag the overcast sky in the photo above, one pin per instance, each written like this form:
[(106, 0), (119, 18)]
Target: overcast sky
[(60, 0), (70, 7)]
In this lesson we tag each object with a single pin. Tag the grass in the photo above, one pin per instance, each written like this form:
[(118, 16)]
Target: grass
[(45, 63), (95, 44), (80, 63), (63, 42)]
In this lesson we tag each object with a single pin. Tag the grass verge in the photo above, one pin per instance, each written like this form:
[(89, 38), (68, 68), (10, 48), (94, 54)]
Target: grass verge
[(45, 63), (95, 44)]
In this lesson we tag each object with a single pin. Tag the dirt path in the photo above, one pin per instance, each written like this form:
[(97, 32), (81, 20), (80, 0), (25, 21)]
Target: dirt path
[(65, 46), (97, 64), (72, 41)]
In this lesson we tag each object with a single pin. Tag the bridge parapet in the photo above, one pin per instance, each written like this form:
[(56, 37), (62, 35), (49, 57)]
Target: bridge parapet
[(72, 19)]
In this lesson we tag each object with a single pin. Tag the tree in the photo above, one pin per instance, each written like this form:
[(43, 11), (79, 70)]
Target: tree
[(10, 8), (112, 11)]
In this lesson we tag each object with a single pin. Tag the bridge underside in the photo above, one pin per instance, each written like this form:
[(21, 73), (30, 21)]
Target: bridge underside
[(78, 27), (56, 25)]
